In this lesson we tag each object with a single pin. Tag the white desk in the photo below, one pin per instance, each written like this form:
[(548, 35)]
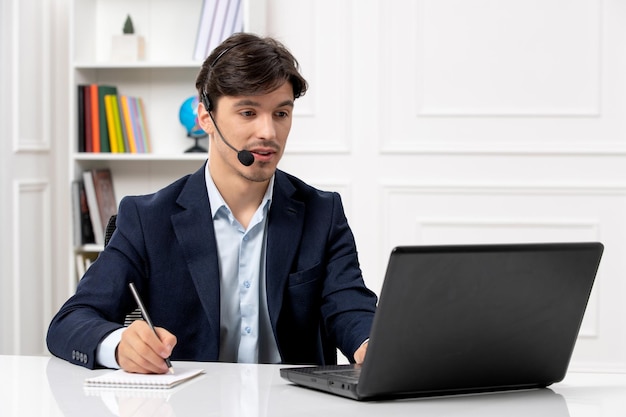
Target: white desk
[(50, 387)]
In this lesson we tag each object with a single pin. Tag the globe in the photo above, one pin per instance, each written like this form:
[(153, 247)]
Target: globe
[(188, 116)]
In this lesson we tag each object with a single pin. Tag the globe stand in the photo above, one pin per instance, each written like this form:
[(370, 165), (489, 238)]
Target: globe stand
[(196, 147)]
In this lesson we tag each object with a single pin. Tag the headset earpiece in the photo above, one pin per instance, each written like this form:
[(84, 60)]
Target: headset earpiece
[(206, 102)]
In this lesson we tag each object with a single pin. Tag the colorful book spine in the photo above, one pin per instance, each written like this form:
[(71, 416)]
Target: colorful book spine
[(111, 125), (204, 29), (134, 116), (128, 125), (110, 122), (95, 118), (105, 141), (143, 123), (80, 108), (92, 203), (118, 124), (88, 125), (105, 194), (217, 26), (124, 144)]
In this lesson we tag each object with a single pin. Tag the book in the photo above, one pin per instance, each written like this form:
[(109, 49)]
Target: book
[(137, 132), (76, 215), (217, 26), (80, 107), (104, 90), (232, 19), (95, 118), (80, 265), (143, 125), (124, 146), (83, 262), (118, 124), (111, 125), (83, 230), (238, 21), (88, 146), (124, 380), (204, 29), (105, 195), (94, 212), (128, 124)]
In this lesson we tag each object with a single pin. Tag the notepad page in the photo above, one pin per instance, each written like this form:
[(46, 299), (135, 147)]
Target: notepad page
[(123, 379)]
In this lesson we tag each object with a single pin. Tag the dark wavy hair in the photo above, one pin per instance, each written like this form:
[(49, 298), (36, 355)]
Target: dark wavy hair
[(246, 64)]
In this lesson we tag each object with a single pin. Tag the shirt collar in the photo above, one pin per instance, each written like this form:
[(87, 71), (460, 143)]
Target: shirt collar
[(217, 202)]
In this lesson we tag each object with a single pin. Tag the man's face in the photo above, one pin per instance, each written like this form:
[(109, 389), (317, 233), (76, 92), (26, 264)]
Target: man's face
[(259, 124)]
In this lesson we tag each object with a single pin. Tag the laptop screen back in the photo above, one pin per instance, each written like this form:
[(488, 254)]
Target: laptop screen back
[(454, 319)]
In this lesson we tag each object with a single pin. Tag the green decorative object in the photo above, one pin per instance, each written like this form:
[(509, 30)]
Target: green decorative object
[(128, 26), (128, 46)]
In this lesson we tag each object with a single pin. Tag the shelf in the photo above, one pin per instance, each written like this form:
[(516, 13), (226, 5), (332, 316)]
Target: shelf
[(89, 248), (138, 157), (137, 65), (164, 79)]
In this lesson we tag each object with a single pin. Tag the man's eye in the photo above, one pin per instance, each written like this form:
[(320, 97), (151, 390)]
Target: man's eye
[(247, 113), (282, 114)]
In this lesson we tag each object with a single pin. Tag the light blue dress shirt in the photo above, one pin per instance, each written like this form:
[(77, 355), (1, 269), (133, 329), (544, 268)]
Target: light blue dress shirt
[(246, 334)]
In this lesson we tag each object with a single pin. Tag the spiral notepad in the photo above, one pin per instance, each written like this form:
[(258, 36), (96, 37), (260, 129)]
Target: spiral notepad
[(123, 379)]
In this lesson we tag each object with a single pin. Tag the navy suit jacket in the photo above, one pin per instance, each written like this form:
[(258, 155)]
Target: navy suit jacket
[(165, 244)]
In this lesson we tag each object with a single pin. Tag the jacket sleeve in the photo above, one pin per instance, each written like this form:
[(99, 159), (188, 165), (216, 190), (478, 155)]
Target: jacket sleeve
[(348, 306), (101, 301)]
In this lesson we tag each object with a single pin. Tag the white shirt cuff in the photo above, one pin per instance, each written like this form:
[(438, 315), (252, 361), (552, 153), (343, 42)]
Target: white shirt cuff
[(105, 353)]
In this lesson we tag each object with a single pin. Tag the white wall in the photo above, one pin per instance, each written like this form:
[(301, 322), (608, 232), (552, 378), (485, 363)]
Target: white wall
[(439, 121), (446, 121), (28, 180)]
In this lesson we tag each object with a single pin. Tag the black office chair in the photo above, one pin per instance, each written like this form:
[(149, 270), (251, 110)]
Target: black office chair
[(108, 232)]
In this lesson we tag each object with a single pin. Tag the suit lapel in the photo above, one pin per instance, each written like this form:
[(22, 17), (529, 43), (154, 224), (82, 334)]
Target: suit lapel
[(194, 230), (193, 227), (285, 224)]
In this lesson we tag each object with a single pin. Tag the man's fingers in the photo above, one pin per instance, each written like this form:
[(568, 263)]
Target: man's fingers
[(142, 351)]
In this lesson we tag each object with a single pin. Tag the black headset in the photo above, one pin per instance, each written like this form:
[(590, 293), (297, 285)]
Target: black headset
[(245, 157), (205, 96)]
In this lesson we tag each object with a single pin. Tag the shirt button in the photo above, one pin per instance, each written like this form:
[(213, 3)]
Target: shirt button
[(246, 284), (248, 329)]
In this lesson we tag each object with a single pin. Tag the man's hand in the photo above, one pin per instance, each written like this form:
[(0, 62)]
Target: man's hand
[(359, 355), (141, 351)]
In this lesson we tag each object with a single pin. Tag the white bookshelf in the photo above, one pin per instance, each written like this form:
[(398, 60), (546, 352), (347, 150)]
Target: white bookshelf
[(163, 79)]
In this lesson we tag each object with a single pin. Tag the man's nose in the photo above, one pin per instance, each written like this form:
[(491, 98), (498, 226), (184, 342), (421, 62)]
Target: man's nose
[(265, 128)]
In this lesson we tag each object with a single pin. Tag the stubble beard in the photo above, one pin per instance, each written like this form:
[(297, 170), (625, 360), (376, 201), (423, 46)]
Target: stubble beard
[(259, 176)]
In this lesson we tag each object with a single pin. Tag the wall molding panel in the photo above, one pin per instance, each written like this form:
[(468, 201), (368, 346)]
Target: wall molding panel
[(481, 213), (324, 61), (511, 61), (507, 82), (32, 278), (30, 90)]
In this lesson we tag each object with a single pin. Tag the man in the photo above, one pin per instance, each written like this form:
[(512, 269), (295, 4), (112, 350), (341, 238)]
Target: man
[(238, 262)]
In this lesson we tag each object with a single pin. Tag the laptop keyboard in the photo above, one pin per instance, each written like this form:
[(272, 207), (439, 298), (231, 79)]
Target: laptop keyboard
[(348, 373)]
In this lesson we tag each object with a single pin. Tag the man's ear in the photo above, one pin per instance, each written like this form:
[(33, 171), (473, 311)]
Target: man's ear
[(204, 119)]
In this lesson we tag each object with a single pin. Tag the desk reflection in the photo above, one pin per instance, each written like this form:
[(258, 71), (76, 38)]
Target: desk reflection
[(258, 391), (240, 391)]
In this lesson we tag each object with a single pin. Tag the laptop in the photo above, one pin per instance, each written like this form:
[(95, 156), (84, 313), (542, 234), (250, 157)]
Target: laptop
[(468, 319)]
